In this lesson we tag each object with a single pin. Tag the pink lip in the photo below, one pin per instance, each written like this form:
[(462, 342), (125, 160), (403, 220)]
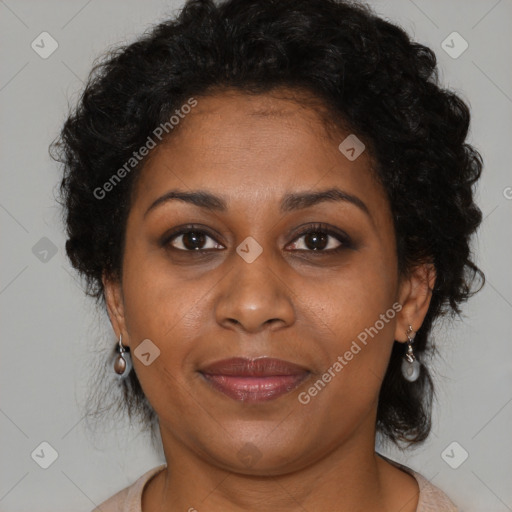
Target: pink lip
[(254, 380)]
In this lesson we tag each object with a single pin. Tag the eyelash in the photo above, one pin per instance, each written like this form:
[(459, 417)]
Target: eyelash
[(341, 237)]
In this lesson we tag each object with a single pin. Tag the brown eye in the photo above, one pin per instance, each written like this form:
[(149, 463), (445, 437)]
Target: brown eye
[(190, 238), (192, 241), (321, 239), (316, 241)]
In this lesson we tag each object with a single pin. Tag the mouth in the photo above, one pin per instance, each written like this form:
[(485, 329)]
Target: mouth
[(254, 380)]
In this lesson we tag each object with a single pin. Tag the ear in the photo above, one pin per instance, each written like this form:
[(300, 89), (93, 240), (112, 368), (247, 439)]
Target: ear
[(115, 306), (415, 293)]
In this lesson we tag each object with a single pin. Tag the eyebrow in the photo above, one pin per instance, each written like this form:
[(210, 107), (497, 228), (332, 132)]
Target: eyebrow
[(289, 202)]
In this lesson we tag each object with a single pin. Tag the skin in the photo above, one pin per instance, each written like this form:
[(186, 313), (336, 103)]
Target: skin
[(290, 303)]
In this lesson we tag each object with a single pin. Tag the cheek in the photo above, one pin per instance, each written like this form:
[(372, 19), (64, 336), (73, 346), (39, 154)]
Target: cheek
[(353, 298), (158, 307), (357, 307), (156, 297)]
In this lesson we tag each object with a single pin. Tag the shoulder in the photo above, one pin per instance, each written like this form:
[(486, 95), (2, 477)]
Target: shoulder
[(129, 499), (431, 498)]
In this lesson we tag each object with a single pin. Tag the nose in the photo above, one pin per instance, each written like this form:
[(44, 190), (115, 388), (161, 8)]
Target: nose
[(254, 296)]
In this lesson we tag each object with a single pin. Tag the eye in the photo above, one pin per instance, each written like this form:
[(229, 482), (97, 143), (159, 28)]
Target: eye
[(319, 238), (190, 238)]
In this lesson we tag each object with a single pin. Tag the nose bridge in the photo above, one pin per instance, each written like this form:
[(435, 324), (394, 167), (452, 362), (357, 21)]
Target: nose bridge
[(254, 293)]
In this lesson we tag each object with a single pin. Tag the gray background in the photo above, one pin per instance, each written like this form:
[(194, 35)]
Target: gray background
[(48, 326)]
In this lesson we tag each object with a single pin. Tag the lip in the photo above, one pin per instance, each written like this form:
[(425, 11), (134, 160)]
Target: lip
[(254, 380)]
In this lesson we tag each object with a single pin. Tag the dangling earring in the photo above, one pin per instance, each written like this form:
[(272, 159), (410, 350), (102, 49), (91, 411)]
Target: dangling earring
[(410, 366), (122, 363)]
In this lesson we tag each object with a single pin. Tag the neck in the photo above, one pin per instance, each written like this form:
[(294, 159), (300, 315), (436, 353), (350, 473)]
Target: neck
[(349, 477)]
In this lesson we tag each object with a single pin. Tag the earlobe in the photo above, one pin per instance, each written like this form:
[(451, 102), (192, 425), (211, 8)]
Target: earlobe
[(114, 302), (415, 295)]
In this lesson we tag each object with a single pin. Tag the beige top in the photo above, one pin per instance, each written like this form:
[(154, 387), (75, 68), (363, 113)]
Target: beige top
[(129, 499)]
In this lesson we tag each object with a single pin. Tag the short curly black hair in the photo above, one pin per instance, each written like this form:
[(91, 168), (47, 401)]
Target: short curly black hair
[(371, 77)]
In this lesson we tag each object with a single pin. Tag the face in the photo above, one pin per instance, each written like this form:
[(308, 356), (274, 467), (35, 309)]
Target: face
[(245, 281)]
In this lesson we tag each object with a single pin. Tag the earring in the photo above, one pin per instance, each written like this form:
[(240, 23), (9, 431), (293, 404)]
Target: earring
[(122, 363), (410, 366)]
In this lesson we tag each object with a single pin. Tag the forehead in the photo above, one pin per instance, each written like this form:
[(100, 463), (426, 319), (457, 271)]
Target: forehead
[(253, 148)]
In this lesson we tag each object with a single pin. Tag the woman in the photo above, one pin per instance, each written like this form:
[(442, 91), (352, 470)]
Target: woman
[(274, 202)]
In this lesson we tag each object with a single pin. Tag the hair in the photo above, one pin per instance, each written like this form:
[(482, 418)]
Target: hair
[(371, 78)]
